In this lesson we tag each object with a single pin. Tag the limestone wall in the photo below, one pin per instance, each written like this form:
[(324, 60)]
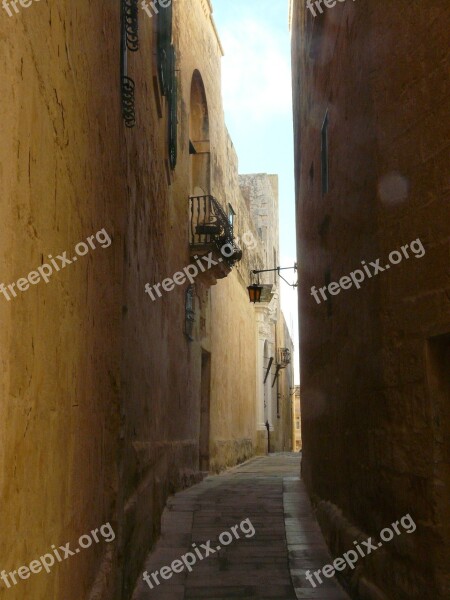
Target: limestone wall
[(372, 359), (100, 410), (62, 179), (273, 400), (284, 441)]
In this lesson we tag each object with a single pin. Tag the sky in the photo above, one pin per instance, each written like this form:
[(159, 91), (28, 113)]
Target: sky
[(256, 89)]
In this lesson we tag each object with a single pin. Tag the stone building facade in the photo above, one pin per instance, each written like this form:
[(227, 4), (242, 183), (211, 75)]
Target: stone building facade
[(123, 381), (237, 425), (274, 345), (371, 136), (284, 385)]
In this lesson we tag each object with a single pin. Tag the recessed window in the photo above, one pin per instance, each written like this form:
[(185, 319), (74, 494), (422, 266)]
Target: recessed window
[(231, 215), (324, 154)]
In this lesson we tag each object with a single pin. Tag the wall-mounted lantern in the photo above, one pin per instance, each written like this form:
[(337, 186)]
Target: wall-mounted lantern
[(255, 289), (254, 292)]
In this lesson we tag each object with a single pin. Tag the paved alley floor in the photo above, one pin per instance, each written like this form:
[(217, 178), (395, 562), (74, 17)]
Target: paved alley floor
[(264, 495)]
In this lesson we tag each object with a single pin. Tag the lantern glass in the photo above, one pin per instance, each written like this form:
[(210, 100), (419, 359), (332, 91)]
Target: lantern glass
[(254, 293)]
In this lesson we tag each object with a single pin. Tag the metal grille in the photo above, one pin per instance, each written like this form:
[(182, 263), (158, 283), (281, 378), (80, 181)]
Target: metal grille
[(209, 224), (284, 357), (129, 41)]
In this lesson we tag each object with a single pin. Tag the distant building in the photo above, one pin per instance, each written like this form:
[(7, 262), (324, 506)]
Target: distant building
[(274, 346), (284, 439)]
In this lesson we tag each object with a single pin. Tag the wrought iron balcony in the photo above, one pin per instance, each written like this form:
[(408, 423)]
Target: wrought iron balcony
[(211, 229), (284, 357)]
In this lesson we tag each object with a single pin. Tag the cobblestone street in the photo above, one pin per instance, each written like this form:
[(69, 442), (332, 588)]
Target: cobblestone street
[(271, 564)]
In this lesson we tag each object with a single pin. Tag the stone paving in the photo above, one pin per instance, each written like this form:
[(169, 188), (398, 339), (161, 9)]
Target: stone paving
[(270, 564)]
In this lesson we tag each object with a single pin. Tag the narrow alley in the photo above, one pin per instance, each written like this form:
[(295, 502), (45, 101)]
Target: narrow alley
[(268, 561), (224, 300)]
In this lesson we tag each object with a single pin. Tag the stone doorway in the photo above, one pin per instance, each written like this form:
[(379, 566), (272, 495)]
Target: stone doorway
[(205, 403)]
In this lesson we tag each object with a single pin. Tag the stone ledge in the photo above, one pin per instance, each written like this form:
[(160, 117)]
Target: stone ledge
[(340, 534)]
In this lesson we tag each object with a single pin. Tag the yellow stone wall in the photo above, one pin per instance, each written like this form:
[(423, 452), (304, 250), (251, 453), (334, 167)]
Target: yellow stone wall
[(375, 360), (233, 347), (100, 387), (61, 180), (232, 339)]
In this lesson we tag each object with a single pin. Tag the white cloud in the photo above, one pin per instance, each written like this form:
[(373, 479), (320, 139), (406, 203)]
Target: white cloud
[(256, 73)]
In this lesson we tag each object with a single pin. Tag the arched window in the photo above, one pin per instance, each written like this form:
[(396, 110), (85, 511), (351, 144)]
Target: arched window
[(199, 146)]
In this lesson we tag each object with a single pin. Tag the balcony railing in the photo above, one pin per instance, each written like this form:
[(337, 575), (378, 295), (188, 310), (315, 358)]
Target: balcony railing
[(209, 226), (284, 357)]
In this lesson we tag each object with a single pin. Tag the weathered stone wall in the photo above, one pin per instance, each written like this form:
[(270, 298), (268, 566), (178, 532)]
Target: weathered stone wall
[(101, 386), (100, 394), (261, 189), (62, 179), (261, 193), (232, 356), (285, 383), (160, 370), (233, 338), (372, 360)]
